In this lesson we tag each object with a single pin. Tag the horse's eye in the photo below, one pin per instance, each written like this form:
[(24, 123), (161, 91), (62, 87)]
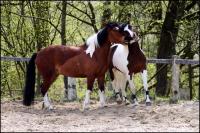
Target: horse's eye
[(126, 33)]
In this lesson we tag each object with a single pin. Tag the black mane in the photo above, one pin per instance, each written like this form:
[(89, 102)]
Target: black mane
[(102, 36)]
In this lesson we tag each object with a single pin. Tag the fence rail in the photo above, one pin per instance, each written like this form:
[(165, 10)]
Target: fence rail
[(177, 61), (150, 60), (6, 58)]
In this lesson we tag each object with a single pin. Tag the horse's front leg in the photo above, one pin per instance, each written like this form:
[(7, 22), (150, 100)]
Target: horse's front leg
[(101, 86), (90, 82), (116, 85), (144, 79)]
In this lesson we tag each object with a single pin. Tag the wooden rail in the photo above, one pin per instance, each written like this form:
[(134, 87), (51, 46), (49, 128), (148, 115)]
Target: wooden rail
[(150, 60), (6, 58)]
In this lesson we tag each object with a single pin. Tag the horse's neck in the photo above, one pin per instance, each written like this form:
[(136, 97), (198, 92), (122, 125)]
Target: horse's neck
[(103, 51), (134, 47)]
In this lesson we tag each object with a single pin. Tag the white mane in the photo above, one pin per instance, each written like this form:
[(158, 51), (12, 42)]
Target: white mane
[(92, 43)]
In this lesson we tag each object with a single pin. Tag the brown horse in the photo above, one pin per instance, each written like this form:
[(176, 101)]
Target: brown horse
[(74, 62)]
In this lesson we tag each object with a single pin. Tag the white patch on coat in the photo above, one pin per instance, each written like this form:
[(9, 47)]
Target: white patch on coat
[(47, 103), (120, 58), (92, 43), (129, 31)]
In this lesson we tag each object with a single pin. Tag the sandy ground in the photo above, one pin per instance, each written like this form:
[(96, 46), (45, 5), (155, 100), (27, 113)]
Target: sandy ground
[(67, 117)]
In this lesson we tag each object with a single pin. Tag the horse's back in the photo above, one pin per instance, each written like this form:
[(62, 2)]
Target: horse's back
[(49, 58)]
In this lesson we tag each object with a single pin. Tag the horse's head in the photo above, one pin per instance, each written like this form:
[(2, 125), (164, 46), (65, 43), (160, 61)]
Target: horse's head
[(130, 33), (115, 34)]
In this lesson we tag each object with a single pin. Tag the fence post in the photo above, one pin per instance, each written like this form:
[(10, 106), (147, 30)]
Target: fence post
[(175, 80), (71, 89)]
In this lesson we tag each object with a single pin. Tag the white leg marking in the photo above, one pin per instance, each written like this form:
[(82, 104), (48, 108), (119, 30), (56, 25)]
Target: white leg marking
[(87, 99), (144, 78), (47, 103), (102, 98), (132, 87)]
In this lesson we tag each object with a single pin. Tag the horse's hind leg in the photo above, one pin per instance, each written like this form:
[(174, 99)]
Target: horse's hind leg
[(47, 81), (144, 79)]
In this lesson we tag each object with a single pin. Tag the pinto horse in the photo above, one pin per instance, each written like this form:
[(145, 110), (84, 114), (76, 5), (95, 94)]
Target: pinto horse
[(126, 60), (89, 60)]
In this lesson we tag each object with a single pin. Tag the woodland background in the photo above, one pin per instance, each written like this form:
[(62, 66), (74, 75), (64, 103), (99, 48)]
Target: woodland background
[(166, 28)]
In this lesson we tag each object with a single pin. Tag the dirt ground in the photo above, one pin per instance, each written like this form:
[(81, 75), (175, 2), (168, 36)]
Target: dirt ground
[(68, 117)]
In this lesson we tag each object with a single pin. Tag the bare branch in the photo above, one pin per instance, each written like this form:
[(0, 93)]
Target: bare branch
[(93, 17), (80, 10), (69, 14), (38, 18)]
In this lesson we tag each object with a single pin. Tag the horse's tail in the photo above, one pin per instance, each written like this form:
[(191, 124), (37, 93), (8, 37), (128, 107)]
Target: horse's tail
[(29, 89)]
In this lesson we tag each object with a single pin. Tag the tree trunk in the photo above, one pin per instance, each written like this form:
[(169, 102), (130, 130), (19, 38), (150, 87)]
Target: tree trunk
[(69, 83), (41, 30), (63, 42), (190, 70), (166, 48)]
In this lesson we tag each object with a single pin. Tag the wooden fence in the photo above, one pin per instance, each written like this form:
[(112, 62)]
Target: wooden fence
[(175, 61)]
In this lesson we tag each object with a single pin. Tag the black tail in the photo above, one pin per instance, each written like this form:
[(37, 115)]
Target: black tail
[(29, 89)]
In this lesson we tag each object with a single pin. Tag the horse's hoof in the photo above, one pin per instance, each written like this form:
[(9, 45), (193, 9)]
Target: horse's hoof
[(50, 107), (85, 106), (84, 109), (119, 102), (135, 103), (148, 103), (103, 106), (127, 102)]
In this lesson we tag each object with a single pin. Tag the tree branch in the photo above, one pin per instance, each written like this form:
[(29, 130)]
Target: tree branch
[(189, 16), (93, 17), (69, 14), (38, 18), (190, 5), (80, 10)]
